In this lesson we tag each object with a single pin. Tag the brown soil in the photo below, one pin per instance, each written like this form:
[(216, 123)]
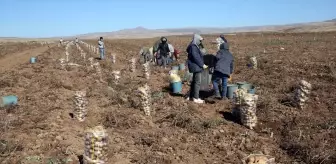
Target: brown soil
[(10, 61), (178, 131), (7, 48)]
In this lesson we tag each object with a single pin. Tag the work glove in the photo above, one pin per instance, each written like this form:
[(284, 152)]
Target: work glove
[(205, 66)]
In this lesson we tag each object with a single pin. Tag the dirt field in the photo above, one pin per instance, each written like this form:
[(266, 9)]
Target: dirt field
[(12, 47), (41, 129)]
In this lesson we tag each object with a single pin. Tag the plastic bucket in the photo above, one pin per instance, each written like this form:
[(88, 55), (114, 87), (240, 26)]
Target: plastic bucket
[(182, 66), (244, 85), (32, 60), (231, 89), (8, 100), (169, 60), (175, 67), (176, 87)]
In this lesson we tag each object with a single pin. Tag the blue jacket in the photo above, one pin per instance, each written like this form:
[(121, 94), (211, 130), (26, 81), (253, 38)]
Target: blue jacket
[(195, 56), (224, 60)]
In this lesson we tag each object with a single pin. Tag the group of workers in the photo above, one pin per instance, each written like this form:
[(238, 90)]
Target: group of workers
[(224, 63), (162, 53), (100, 46)]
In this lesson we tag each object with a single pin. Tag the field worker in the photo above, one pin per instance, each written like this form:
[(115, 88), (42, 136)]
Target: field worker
[(195, 66), (152, 53), (146, 55), (171, 50), (155, 49), (223, 70), (202, 49), (61, 41), (163, 53), (156, 45), (101, 48), (176, 54), (221, 39), (76, 40)]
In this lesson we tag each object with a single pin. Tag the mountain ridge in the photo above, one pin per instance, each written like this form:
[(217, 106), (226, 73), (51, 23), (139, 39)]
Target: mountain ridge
[(142, 32)]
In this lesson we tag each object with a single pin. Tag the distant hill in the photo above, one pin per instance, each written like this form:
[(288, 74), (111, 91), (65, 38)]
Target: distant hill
[(332, 20), (141, 32)]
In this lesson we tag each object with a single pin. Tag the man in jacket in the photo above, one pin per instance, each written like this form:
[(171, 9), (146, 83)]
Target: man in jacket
[(101, 48), (195, 66), (223, 70), (163, 52)]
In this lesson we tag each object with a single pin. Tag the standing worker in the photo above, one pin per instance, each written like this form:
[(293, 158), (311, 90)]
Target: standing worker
[(76, 40), (146, 55), (176, 54), (223, 70), (221, 39), (61, 41), (171, 51), (163, 52), (155, 50), (196, 66), (101, 48)]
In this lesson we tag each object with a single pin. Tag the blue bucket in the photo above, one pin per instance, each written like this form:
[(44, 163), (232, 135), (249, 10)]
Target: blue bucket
[(32, 60), (181, 66), (169, 60), (175, 68), (252, 90), (244, 85), (176, 87), (8, 101), (231, 89)]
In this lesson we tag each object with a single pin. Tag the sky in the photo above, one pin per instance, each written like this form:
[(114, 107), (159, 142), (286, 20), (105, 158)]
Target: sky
[(49, 18)]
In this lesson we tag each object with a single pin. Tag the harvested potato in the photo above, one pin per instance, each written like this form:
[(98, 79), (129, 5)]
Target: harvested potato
[(260, 159), (251, 159)]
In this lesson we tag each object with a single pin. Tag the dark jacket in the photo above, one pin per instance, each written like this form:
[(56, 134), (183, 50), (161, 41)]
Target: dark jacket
[(163, 49), (224, 60), (195, 57)]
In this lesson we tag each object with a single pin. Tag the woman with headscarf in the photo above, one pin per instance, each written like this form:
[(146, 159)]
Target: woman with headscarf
[(223, 70), (196, 66)]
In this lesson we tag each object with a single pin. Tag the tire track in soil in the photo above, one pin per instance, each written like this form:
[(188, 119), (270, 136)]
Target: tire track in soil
[(13, 60)]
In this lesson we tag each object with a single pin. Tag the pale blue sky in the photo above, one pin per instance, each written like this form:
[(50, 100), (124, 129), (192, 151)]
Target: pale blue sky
[(47, 18)]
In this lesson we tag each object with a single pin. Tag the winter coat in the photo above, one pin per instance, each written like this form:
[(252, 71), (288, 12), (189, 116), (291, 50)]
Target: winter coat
[(224, 60), (163, 49), (195, 56)]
